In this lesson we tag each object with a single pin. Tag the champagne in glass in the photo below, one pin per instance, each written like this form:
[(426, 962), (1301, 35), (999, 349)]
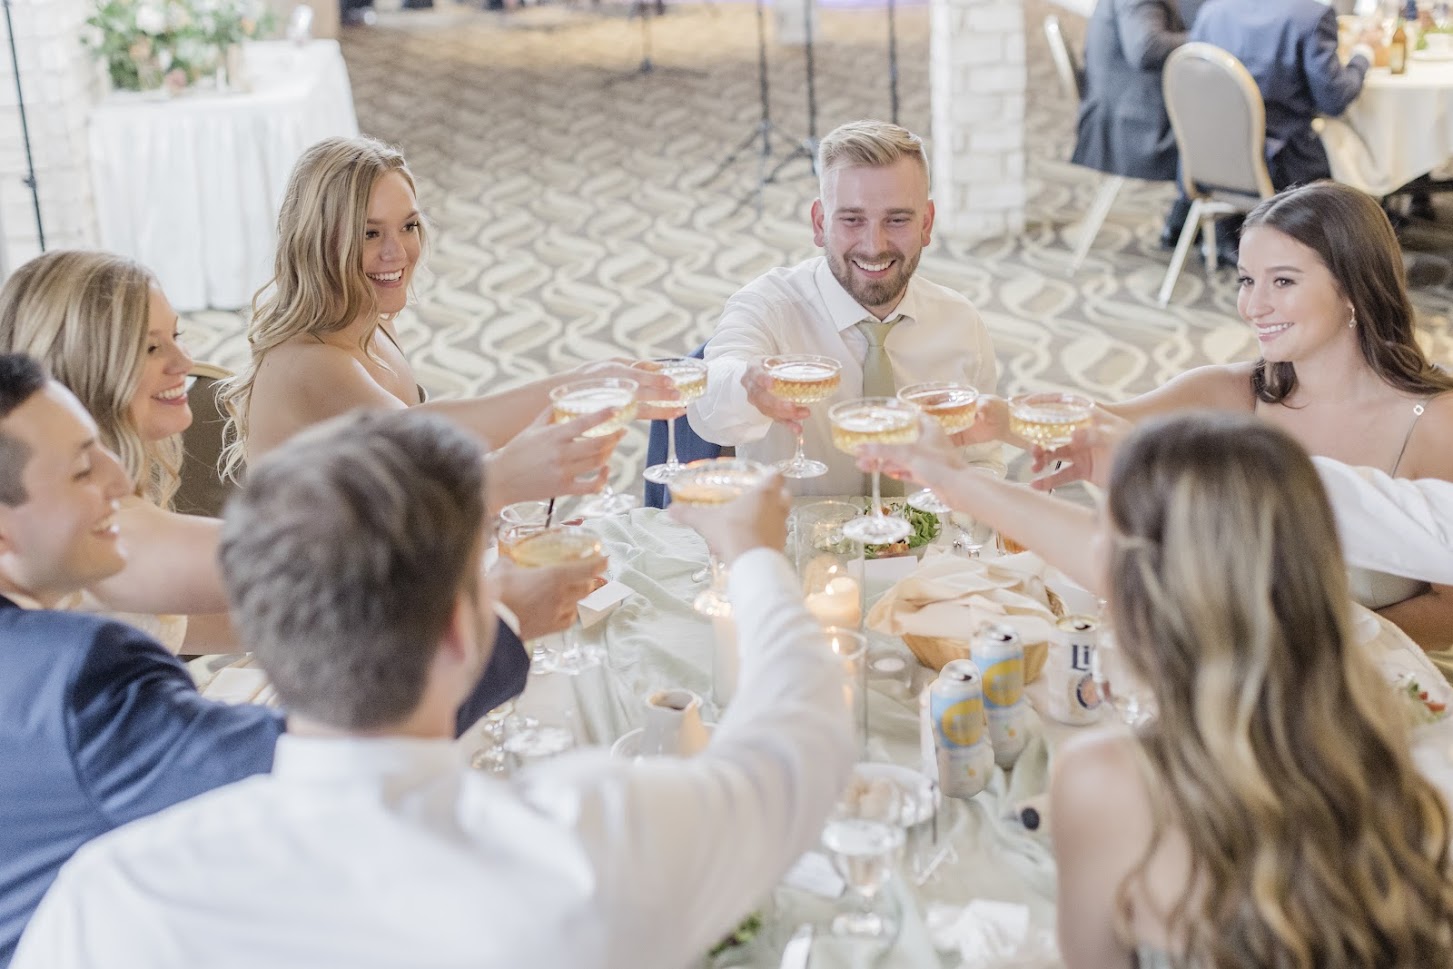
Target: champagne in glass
[(1049, 420), (689, 376), (954, 406), (803, 378), (582, 397), (715, 481), (559, 545), (874, 420)]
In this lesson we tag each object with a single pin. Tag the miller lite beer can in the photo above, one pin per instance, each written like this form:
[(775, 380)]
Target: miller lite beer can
[(999, 654), (1073, 698), (954, 733)]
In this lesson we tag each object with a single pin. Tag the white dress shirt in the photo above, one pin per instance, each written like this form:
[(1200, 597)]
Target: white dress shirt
[(804, 309), (392, 852), (1392, 525)]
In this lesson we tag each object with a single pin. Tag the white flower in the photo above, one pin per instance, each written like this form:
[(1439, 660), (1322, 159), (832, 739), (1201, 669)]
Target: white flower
[(149, 19)]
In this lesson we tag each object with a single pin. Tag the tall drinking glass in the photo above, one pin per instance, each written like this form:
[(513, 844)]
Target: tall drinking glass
[(715, 481), (582, 397), (689, 376), (874, 420), (560, 545), (803, 378), (954, 406), (865, 837)]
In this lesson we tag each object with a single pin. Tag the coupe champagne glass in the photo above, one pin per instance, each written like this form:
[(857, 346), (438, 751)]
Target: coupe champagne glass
[(582, 397), (715, 481), (803, 378), (865, 837), (689, 376), (874, 420), (1050, 419), (954, 406), (560, 545)]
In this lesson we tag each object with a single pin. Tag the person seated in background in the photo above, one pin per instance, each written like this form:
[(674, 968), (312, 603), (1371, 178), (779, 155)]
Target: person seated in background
[(1122, 127), (1269, 814), (102, 724), (372, 841), (1290, 49), (860, 303), (350, 237), (102, 326), (1323, 288)]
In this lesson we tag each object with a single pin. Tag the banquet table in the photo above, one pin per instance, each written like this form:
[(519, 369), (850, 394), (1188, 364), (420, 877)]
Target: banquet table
[(1399, 128), (654, 640), (190, 186)]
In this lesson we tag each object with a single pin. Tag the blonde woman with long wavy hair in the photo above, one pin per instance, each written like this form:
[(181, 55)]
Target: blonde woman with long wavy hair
[(350, 237), (1270, 816), (102, 326)]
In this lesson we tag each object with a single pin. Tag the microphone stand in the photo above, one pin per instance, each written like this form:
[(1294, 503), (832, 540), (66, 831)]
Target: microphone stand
[(29, 179)]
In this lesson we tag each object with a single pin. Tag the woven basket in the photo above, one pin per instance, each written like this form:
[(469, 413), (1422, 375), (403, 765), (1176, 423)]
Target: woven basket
[(934, 651)]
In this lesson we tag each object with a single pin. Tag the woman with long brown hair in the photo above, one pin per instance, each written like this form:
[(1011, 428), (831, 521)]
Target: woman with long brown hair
[(1269, 816)]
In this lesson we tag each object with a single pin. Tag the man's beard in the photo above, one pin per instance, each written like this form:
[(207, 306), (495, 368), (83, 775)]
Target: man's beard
[(870, 293)]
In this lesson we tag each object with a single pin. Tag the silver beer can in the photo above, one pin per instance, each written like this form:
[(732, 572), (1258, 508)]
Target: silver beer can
[(962, 756), (1068, 671)]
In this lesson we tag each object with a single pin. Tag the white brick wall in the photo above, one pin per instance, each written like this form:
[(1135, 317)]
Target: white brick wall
[(978, 77), (61, 82)]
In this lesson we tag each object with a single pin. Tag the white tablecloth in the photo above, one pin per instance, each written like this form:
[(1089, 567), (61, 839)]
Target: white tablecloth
[(190, 187), (1398, 128)]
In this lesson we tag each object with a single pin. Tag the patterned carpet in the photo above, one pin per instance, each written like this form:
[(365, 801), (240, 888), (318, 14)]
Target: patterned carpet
[(571, 220)]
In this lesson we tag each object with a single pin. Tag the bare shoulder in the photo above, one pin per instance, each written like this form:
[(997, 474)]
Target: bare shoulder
[(1097, 786), (1430, 450), (308, 376)]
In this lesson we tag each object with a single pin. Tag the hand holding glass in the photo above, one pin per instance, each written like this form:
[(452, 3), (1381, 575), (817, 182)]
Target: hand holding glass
[(715, 481), (954, 406), (689, 376), (582, 397), (559, 545), (803, 378)]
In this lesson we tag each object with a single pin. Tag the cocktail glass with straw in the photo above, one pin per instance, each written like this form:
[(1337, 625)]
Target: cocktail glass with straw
[(560, 545), (874, 420), (581, 397), (803, 378), (954, 406), (689, 376), (715, 481)]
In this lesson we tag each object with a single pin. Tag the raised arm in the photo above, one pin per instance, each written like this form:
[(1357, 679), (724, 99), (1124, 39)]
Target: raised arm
[(171, 563), (731, 412)]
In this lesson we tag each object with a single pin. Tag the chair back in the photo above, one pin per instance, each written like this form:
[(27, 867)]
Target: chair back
[(690, 446), (203, 490), (1066, 65), (1219, 121)]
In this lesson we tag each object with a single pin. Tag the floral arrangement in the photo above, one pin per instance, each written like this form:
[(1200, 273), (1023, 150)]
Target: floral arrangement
[(147, 44)]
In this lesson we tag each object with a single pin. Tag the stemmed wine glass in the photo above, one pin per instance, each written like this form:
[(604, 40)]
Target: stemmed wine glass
[(1127, 694), (874, 420), (689, 376), (715, 481), (865, 836), (581, 397), (560, 545), (517, 522), (803, 378), (1049, 419), (954, 406)]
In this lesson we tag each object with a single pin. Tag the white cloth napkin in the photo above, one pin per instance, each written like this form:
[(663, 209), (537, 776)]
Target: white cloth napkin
[(992, 935)]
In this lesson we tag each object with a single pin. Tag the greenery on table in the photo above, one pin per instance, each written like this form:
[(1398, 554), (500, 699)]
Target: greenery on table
[(925, 530), (148, 43)]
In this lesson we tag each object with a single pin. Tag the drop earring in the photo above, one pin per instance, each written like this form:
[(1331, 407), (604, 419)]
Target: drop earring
[(1352, 322)]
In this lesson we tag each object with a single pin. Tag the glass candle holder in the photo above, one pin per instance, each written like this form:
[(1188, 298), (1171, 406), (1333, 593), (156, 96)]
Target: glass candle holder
[(851, 649), (829, 562)]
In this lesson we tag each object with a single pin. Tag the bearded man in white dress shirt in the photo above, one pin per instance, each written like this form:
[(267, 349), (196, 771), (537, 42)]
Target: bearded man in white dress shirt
[(352, 559), (872, 221)]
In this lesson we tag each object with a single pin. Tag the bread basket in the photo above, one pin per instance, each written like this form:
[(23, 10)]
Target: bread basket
[(935, 651)]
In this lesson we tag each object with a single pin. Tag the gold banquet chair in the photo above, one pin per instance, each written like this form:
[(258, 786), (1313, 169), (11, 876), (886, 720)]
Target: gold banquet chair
[(203, 490), (1072, 84), (1219, 120)]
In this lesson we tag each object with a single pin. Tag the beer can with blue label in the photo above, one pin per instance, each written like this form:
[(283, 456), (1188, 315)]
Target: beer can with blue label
[(962, 755), (1068, 671)]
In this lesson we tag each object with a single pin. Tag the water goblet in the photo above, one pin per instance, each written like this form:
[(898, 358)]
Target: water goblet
[(803, 378), (581, 397), (715, 481), (874, 420), (865, 837), (954, 406), (689, 376), (560, 545)]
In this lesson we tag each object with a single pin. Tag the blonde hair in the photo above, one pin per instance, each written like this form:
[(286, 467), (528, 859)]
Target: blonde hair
[(871, 144), (84, 315), (318, 284), (1278, 751)]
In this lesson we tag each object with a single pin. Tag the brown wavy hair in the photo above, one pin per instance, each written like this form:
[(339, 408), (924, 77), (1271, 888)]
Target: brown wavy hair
[(1350, 233), (1277, 750)]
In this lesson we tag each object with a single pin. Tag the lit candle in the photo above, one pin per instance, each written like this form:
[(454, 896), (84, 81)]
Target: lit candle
[(837, 604)]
